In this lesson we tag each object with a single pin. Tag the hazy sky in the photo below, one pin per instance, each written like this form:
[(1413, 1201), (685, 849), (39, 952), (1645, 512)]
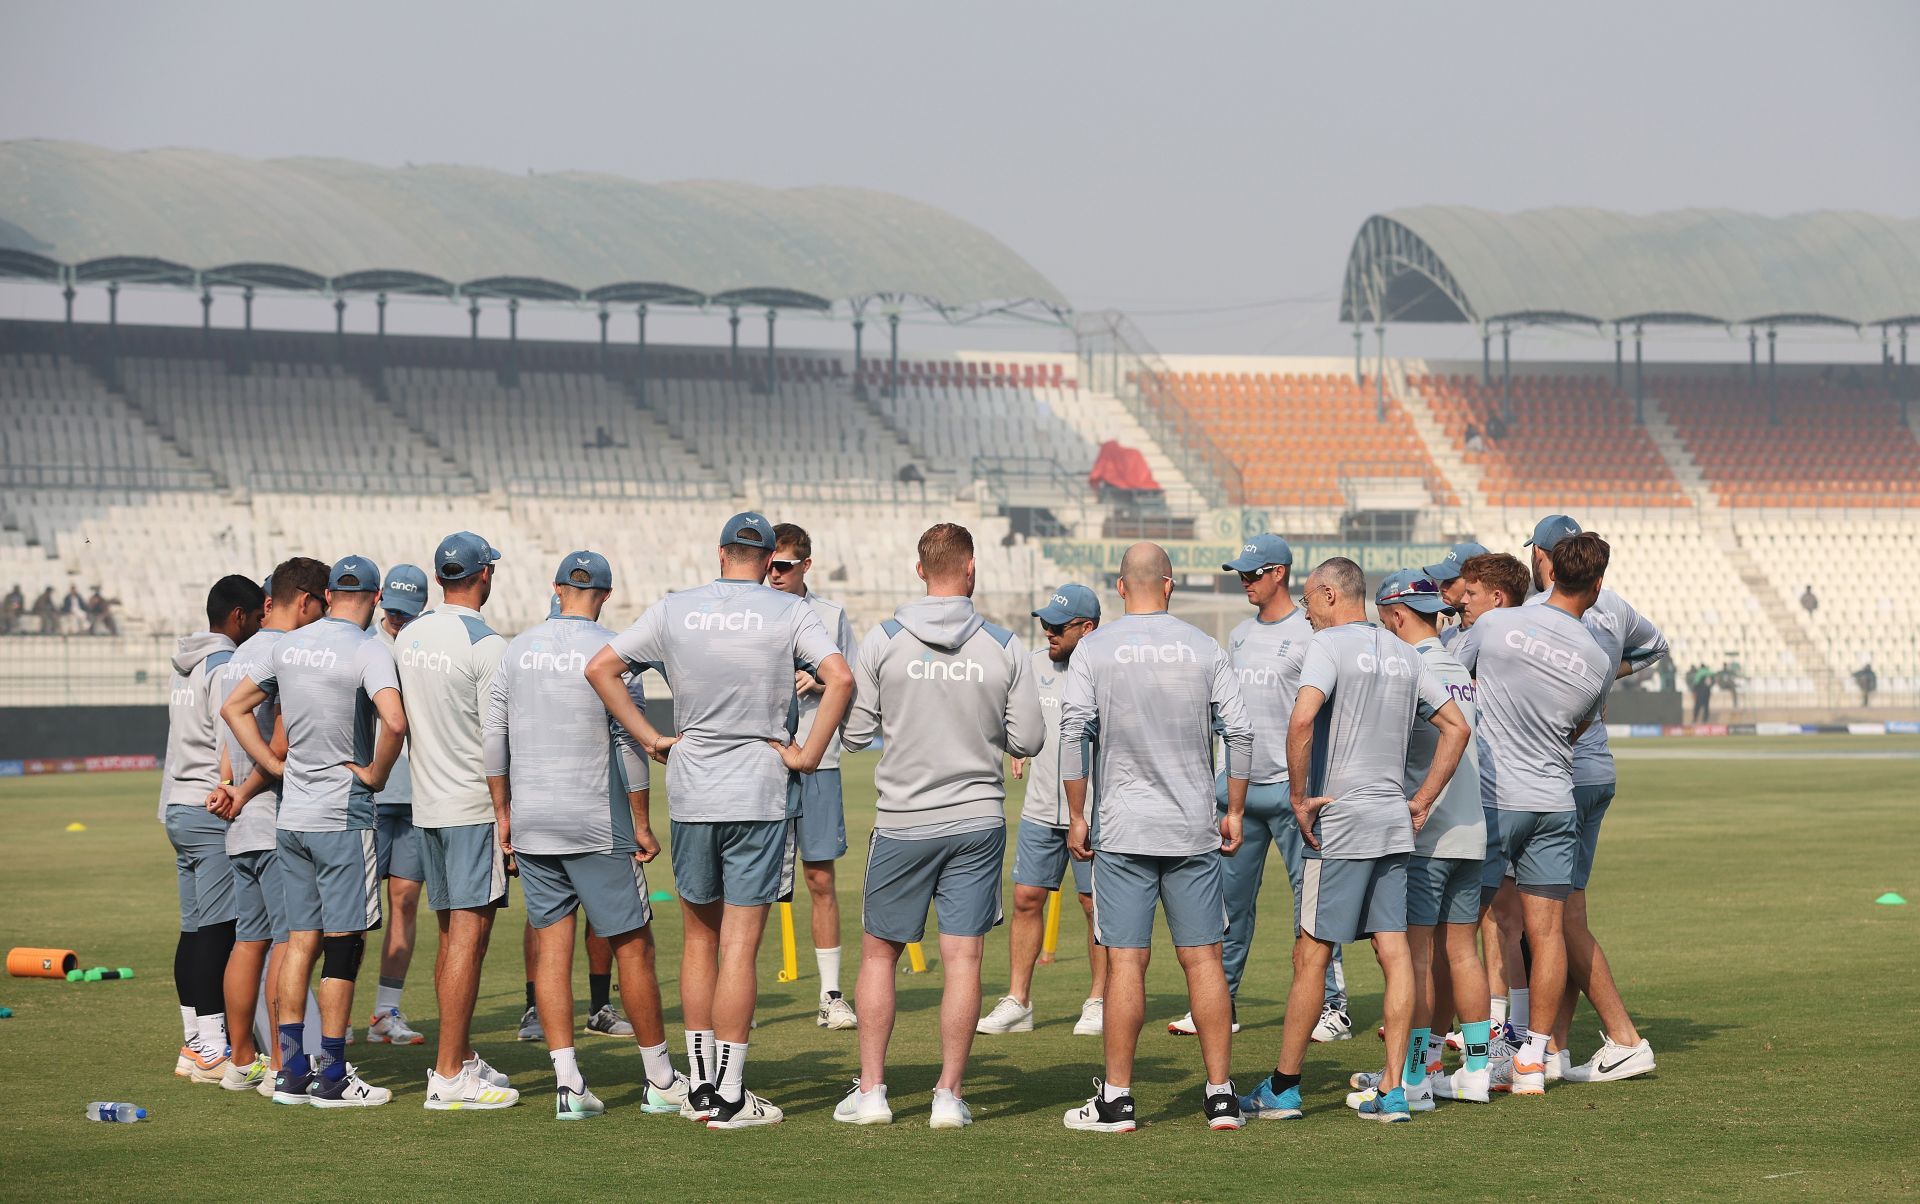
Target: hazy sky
[(1158, 158)]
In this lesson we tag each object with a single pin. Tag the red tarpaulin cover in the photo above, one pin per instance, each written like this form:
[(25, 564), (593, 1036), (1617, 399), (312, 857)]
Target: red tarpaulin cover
[(1121, 467)]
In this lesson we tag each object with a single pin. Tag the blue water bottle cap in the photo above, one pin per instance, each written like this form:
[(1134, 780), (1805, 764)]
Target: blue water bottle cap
[(139, 1113)]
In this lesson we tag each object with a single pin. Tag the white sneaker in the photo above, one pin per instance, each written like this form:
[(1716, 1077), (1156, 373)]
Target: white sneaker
[(1365, 1080), (836, 1013), (671, 1098), (1456, 1041), (1611, 1062), (1463, 1085), (1185, 1027), (476, 1066), (1099, 1115), (1333, 1025), (247, 1078), (1007, 1016), (609, 1023), (350, 1091), (1420, 1095), (949, 1111), (391, 1028), (208, 1067), (750, 1113), (1093, 1019), (1557, 1062), (466, 1092), (183, 1065), (865, 1107), (569, 1104), (530, 1029)]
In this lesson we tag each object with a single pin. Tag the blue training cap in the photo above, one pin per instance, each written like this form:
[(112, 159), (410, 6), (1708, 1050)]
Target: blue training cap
[(363, 573), (1069, 602), (1262, 551), (1550, 530), (405, 590), (461, 555), (1457, 555)]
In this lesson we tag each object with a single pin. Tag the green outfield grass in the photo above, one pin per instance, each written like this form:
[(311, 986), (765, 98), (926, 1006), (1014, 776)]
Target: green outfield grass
[(1736, 899)]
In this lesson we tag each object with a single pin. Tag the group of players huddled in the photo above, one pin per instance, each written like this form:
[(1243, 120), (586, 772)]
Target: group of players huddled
[(1437, 787)]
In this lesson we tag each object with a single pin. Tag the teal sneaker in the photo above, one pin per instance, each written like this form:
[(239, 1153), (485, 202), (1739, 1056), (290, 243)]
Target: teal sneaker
[(1390, 1108), (671, 1098), (569, 1104), (1265, 1104)]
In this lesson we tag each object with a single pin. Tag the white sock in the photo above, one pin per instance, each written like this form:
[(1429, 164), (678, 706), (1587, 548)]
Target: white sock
[(189, 1025), (1214, 1089), (384, 998), (829, 962), (700, 1056), (1522, 1011), (566, 1069), (1499, 1012), (1534, 1052), (658, 1065), (733, 1070), (1110, 1092), (213, 1032)]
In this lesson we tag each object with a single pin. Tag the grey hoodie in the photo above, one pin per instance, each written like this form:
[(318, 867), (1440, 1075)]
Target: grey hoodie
[(951, 695), (192, 766)]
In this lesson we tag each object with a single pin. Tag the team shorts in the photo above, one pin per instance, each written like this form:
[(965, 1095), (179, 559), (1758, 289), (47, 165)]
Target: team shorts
[(1541, 846), (1590, 804), (1442, 890), (744, 863), (1040, 858), (201, 866), (1127, 888), (260, 896), (820, 833), (1342, 900), (330, 881), (397, 844), (958, 876), (465, 870), (610, 887)]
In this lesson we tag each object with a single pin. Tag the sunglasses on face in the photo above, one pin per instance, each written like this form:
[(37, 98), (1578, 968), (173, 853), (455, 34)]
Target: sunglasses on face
[(1059, 628), (786, 566), (1249, 576)]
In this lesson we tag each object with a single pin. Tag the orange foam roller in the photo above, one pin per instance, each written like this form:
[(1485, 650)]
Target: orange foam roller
[(41, 963)]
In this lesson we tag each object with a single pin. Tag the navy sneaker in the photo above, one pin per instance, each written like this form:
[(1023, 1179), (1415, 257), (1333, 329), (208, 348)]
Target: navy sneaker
[(290, 1088)]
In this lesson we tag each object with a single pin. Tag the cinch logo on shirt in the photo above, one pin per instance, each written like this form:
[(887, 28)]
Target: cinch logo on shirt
[(925, 668), (551, 662), (1155, 654), (745, 620), (1461, 693), (416, 657), (1266, 675), (1537, 648), (1385, 666), (1049, 702), (312, 658), (182, 697)]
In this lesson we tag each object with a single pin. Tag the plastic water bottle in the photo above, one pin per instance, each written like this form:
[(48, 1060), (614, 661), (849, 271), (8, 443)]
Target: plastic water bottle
[(125, 1114)]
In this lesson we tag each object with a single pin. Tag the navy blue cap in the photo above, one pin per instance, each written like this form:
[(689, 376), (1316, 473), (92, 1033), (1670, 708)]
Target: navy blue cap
[(1261, 551), (553, 606), (599, 572), (365, 574), (749, 530), (1457, 555), (461, 555), (405, 590), (1068, 603), (1550, 530), (1413, 589)]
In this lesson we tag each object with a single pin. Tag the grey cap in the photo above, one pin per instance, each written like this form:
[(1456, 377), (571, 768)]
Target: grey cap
[(1457, 555), (1413, 589), (553, 606), (461, 555), (1261, 551), (1550, 530), (749, 530), (1070, 602), (593, 564), (405, 590), (365, 574)]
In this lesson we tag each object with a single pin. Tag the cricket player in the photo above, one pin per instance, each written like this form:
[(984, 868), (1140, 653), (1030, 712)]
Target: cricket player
[(403, 597), (1446, 574)]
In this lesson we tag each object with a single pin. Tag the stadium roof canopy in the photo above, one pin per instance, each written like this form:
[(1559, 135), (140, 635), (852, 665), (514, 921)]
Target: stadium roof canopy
[(73, 214), (1445, 263)]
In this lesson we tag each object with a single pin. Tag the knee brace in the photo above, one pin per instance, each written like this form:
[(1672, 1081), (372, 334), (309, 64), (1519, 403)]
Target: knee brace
[(340, 955)]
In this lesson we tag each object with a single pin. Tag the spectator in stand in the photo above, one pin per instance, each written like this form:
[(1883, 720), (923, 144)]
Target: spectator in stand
[(1474, 442), (100, 620), (73, 609), (1666, 673), (1867, 680), (47, 611), (1808, 602), (1496, 427), (1700, 681), (12, 609)]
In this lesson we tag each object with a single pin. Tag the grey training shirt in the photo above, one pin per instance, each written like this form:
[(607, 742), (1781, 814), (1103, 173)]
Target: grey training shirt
[(326, 674), (1627, 638), (252, 830), (833, 617), (1046, 799), (1538, 674), (1266, 660), (1456, 827)]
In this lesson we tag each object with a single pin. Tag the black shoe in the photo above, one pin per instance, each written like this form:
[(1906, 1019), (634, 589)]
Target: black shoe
[(702, 1100), (1223, 1111), (1101, 1115)]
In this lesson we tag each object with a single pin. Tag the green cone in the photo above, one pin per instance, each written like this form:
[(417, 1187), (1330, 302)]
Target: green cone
[(1891, 900)]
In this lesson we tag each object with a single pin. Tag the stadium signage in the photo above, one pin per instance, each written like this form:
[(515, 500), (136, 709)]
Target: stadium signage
[(1197, 556)]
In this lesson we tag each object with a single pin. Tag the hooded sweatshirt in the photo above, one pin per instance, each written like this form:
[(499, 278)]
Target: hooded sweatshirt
[(192, 766), (951, 695)]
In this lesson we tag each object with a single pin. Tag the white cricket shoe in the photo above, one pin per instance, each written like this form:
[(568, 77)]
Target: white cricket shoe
[(864, 1107), (1557, 1062), (347, 1091), (1463, 1085), (1333, 1025), (530, 1029), (466, 1092), (583, 1104), (1419, 1095), (1093, 1019), (1612, 1062), (391, 1028), (750, 1113), (949, 1111), (837, 1014), (1185, 1027), (609, 1023), (476, 1066), (671, 1098), (1007, 1016), (247, 1078), (208, 1067)]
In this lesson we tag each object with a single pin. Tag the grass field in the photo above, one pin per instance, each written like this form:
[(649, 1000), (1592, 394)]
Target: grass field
[(1736, 897)]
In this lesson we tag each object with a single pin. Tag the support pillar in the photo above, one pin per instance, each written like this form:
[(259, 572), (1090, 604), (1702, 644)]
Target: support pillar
[(1753, 358), (1486, 358), (1906, 382), (1639, 369), (473, 320), (640, 373), (1506, 372), (380, 321), (1886, 361), (733, 341), (246, 300), (1773, 379), (206, 311), (1358, 374), (113, 303), (603, 331), (893, 355), (1619, 361), (513, 323), (68, 293), (1380, 374), (339, 318), (859, 381), (773, 363)]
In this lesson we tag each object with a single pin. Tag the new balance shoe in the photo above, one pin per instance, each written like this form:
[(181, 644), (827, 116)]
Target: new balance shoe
[(1463, 1085), (1185, 1027), (391, 1028), (836, 1013), (583, 1104), (1102, 1115), (246, 1078), (671, 1098), (1223, 1111), (1613, 1062), (1093, 1019), (476, 1066), (292, 1089), (466, 1092), (1007, 1016), (609, 1023), (1264, 1103), (207, 1066), (530, 1029), (864, 1107), (750, 1112), (949, 1111), (1527, 1078), (1333, 1025), (1390, 1108), (347, 1091)]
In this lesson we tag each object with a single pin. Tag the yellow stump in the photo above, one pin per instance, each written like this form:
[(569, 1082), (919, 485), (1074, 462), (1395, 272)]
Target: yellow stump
[(916, 958), (789, 956), (1050, 944)]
